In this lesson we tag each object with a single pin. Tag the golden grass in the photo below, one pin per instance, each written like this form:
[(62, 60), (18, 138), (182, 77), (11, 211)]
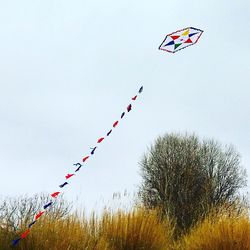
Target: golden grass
[(136, 229), (223, 231), (69, 233)]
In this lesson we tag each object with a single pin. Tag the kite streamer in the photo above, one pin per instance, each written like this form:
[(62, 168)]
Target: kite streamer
[(78, 166), (181, 39)]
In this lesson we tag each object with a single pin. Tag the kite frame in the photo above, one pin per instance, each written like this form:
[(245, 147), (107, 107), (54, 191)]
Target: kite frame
[(184, 47)]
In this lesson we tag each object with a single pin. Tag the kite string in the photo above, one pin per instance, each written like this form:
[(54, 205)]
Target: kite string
[(79, 165)]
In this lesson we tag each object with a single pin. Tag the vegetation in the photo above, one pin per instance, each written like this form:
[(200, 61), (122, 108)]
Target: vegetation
[(190, 189), (120, 230), (187, 177), (221, 231), (17, 212), (138, 228)]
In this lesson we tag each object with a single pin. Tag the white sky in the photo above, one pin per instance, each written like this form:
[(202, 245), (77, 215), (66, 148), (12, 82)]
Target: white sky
[(69, 68)]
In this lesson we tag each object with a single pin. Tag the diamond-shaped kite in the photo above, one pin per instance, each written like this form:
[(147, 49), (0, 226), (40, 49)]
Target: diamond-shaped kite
[(181, 39)]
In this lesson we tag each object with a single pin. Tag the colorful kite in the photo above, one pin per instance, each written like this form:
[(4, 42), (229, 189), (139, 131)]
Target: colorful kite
[(181, 39), (54, 195)]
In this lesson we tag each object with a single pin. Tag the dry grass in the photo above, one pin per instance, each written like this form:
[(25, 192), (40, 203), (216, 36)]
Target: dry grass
[(70, 233), (223, 231), (136, 229)]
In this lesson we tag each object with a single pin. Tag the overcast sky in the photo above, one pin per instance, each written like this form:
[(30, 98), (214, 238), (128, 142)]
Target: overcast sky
[(69, 68)]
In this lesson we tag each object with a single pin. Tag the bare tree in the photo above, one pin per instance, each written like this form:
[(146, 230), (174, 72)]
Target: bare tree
[(20, 211), (186, 177)]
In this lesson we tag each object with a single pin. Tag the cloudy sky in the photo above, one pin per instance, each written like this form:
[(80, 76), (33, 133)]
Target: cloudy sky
[(69, 68)]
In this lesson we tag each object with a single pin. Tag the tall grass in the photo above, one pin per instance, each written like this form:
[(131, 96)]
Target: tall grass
[(138, 229), (121, 230), (135, 229), (223, 231), (71, 232)]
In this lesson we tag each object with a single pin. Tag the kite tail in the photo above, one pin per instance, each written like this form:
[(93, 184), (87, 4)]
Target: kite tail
[(54, 195)]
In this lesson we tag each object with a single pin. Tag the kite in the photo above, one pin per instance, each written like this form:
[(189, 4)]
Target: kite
[(32, 223), (64, 184), (69, 176), (93, 150), (180, 39), (78, 165), (78, 169), (25, 234), (100, 140), (85, 158), (47, 205), (115, 124), (55, 194), (129, 107), (39, 215), (109, 132), (15, 242), (134, 98)]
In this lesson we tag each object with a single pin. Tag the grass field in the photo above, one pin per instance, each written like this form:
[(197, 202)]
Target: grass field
[(135, 229)]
